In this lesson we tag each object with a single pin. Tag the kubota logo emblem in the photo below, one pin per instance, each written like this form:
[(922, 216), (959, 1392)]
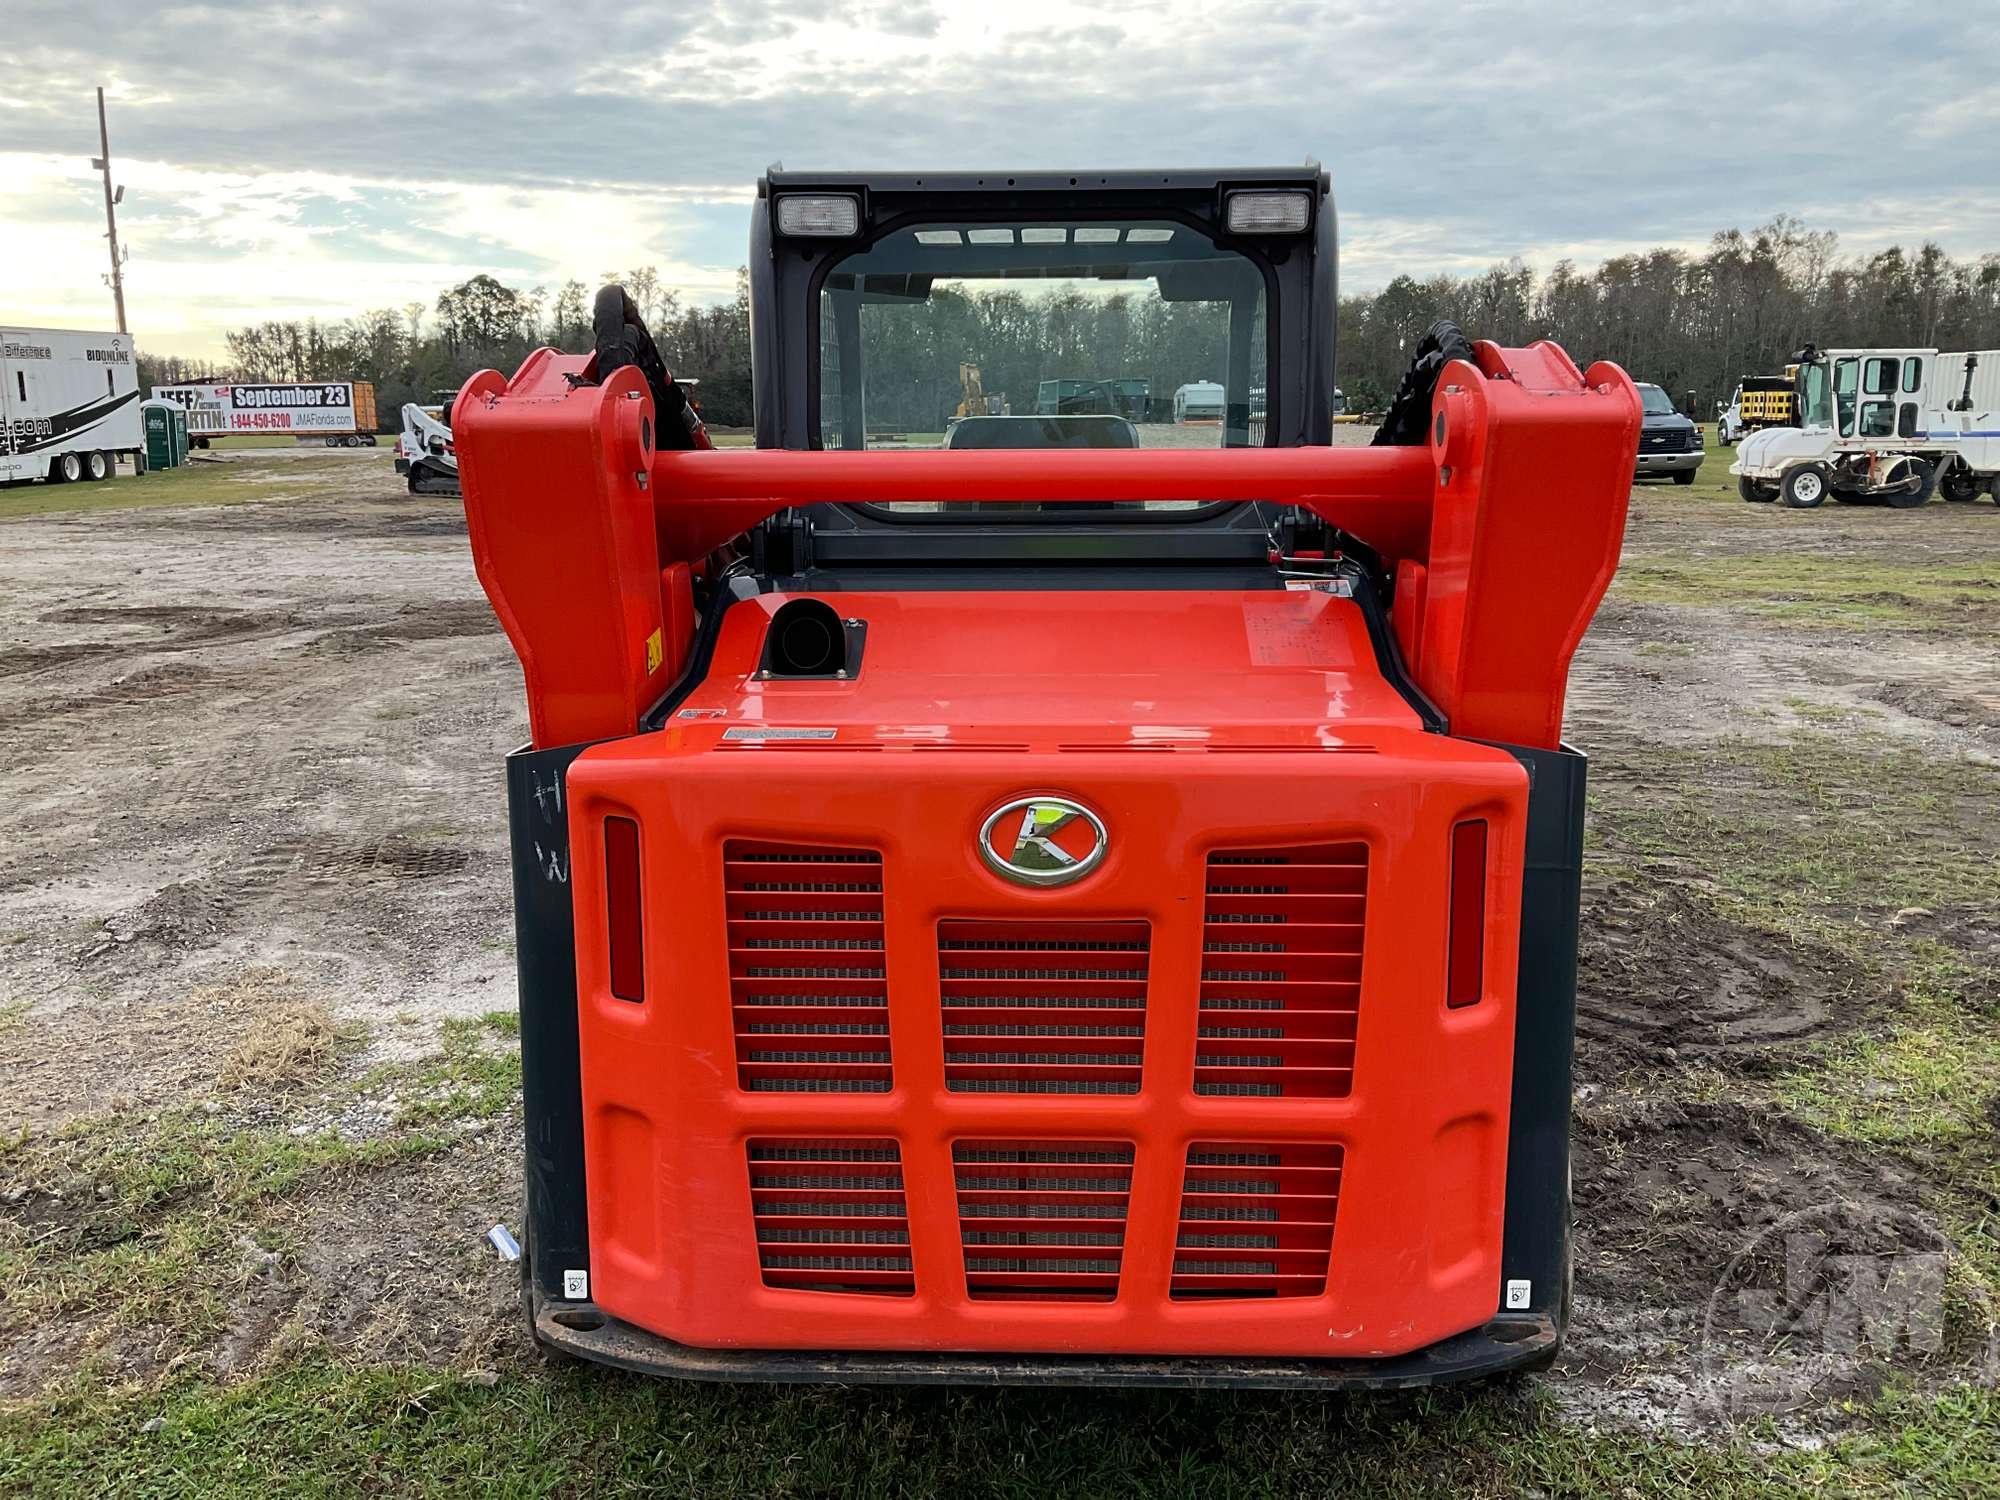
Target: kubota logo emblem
[(1042, 841)]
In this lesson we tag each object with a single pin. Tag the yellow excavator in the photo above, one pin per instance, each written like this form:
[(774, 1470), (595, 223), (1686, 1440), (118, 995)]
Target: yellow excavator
[(975, 402)]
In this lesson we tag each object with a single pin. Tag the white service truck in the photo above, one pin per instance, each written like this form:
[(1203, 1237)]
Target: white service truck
[(1881, 424), (69, 404)]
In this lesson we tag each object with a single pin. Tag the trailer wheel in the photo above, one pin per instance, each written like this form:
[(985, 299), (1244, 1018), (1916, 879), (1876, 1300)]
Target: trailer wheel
[(67, 469), (99, 465), (1926, 482), (1804, 487), (1750, 490), (1960, 485)]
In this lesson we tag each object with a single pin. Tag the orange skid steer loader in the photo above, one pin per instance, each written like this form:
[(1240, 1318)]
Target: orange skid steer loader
[(1047, 913)]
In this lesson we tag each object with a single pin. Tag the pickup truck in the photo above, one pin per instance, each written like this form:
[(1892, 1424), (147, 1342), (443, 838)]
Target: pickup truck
[(1669, 443)]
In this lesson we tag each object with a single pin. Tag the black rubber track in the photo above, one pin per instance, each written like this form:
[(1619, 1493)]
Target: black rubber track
[(1406, 423)]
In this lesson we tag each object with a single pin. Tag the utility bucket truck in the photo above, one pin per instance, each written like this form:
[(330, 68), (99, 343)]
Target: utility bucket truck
[(1047, 915)]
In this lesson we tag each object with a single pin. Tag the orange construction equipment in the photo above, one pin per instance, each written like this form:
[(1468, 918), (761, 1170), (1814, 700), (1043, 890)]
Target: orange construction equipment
[(984, 918)]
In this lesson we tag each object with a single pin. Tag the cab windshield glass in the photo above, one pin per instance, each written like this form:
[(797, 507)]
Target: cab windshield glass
[(1814, 408), (1133, 334), (1658, 402)]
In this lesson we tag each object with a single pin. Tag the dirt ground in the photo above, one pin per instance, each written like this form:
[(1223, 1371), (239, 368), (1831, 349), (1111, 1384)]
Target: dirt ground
[(250, 766)]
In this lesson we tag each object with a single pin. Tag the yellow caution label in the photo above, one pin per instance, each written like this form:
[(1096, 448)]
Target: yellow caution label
[(656, 652)]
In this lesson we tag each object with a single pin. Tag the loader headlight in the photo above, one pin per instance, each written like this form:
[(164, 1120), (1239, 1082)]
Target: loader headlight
[(826, 215), (1268, 213)]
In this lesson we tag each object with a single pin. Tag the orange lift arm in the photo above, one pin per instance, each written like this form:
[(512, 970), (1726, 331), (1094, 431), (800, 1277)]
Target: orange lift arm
[(1502, 531)]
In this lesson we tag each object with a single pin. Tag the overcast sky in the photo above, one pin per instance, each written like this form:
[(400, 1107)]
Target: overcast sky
[(324, 156)]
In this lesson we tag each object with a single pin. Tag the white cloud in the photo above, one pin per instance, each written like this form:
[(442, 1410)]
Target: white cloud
[(369, 152), (216, 250)]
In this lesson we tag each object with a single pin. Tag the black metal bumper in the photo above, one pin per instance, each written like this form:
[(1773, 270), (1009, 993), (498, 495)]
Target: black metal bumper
[(580, 1330)]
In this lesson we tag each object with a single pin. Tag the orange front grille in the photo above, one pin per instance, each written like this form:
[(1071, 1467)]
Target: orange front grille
[(1281, 971), (1042, 1219), (831, 1216), (1045, 1007), (807, 987), (1256, 1220)]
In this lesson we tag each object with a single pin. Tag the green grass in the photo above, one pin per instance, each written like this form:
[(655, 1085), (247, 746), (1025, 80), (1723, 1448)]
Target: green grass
[(327, 1428), (476, 1077), (145, 1213), (1859, 589), (1850, 843), (1784, 824), (196, 483), (137, 1220)]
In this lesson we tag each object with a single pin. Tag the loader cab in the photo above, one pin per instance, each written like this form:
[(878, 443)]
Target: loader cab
[(1864, 394), (1072, 294)]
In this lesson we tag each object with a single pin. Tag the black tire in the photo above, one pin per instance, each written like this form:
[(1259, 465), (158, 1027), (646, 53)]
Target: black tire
[(1755, 493), (100, 466), (1685, 476), (1804, 487), (1960, 485), (66, 468), (1927, 479)]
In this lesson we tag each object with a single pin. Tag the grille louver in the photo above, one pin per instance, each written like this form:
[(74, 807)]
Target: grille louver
[(1256, 1220), (806, 978), (1043, 1007), (1281, 971), (1043, 1219), (831, 1216)]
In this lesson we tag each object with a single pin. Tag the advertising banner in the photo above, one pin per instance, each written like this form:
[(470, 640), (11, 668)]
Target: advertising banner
[(323, 406)]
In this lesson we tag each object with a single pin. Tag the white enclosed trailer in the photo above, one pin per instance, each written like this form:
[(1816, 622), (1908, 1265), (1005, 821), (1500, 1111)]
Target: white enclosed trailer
[(69, 404)]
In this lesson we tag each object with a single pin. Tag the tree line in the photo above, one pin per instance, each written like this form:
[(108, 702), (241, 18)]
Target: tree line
[(1686, 321), (422, 352)]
